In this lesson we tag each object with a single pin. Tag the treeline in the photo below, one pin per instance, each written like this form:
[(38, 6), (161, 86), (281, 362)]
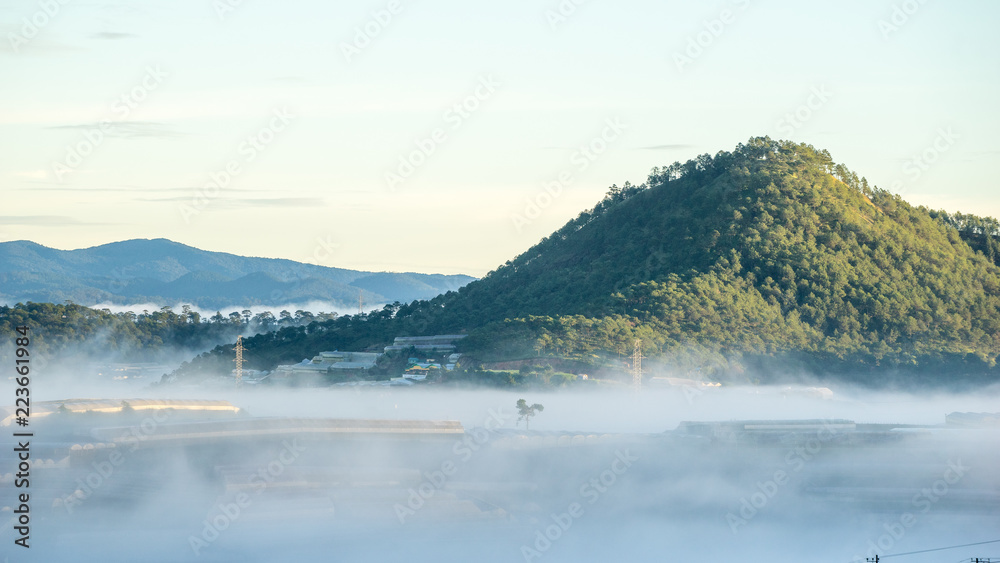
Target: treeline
[(982, 233), (370, 331), (73, 331)]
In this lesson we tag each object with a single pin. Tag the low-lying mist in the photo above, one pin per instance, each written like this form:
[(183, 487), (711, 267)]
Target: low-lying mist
[(606, 474), (314, 307)]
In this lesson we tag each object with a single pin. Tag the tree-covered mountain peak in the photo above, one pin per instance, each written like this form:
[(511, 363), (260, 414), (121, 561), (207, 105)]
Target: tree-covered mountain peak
[(768, 254), (772, 247)]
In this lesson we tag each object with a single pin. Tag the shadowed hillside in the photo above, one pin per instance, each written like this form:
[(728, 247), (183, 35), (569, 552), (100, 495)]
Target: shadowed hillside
[(166, 272)]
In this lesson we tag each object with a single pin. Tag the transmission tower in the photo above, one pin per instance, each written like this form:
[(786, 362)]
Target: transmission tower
[(637, 365), (239, 361), (361, 301)]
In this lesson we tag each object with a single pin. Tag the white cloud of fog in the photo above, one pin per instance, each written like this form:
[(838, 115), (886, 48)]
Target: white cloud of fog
[(310, 306), (669, 504)]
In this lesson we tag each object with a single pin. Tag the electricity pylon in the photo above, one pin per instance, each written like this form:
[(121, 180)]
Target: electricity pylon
[(239, 361), (637, 365)]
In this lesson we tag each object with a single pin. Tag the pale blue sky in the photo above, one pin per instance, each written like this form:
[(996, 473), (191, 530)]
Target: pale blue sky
[(211, 82)]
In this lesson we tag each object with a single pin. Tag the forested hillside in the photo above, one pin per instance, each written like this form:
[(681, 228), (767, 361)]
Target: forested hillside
[(762, 256)]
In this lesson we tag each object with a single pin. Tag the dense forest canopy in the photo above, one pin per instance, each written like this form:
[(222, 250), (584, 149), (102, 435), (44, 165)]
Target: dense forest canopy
[(982, 233), (772, 249)]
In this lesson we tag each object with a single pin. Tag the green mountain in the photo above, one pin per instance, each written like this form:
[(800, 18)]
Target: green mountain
[(166, 272), (764, 257)]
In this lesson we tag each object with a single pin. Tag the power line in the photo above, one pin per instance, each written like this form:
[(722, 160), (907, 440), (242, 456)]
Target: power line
[(939, 549), (981, 559)]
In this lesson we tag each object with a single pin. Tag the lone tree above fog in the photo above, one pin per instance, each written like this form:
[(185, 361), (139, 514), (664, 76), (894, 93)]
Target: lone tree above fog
[(526, 412)]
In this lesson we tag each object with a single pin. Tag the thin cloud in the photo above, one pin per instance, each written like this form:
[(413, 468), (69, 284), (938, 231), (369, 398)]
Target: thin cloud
[(251, 202), (32, 174), (128, 129), (111, 35), (58, 188), (184, 190), (666, 147), (277, 202), (36, 46), (44, 221)]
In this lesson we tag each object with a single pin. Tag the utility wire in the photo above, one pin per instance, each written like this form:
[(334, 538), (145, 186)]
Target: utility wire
[(939, 549)]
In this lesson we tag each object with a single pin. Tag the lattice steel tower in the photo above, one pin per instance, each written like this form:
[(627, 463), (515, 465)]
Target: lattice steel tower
[(637, 365), (239, 361)]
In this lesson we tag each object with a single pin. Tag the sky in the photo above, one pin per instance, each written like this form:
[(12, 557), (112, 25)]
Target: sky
[(447, 136)]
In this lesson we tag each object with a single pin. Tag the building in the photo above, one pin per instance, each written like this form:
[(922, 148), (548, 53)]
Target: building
[(139, 370), (973, 419), (43, 409), (252, 376), (787, 432), (439, 343), (328, 362)]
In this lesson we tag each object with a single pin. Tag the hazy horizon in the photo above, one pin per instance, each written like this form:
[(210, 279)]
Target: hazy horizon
[(824, 494), (316, 115)]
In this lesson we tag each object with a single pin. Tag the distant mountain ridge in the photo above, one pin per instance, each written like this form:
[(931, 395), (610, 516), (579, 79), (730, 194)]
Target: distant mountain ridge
[(163, 271)]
